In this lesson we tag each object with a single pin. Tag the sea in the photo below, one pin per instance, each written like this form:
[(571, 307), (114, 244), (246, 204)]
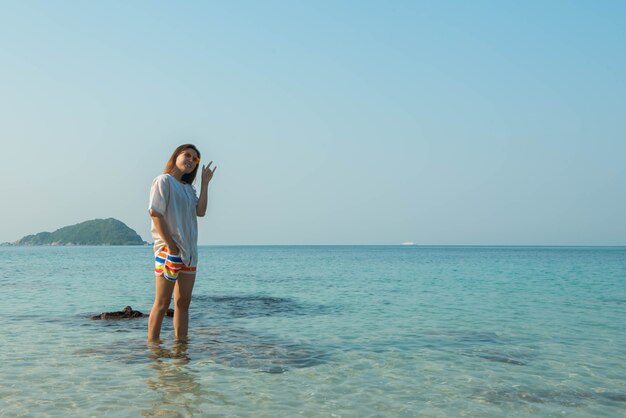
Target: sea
[(319, 331)]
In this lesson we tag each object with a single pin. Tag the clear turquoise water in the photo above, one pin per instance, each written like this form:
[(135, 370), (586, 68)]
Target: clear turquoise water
[(319, 331)]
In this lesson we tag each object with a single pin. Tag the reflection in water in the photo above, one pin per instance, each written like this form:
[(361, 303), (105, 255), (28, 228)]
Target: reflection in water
[(178, 353), (177, 392)]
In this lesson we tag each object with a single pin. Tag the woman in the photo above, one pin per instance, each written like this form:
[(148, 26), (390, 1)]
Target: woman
[(174, 208)]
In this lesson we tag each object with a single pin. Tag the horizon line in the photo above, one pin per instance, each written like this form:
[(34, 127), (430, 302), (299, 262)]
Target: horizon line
[(413, 245), (148, 244)]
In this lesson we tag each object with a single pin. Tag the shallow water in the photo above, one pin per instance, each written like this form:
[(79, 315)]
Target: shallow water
[(319, 331)]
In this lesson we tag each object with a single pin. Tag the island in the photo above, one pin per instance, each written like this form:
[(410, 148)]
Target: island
[(108, 231)]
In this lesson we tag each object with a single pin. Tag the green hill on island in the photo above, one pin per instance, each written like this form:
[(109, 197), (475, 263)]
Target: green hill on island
[(95, 232)]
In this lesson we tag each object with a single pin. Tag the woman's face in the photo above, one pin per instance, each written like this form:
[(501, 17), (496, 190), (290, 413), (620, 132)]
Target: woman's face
[(187, 160)]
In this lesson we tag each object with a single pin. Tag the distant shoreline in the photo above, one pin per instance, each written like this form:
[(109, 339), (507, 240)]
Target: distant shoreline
[(109, 231)]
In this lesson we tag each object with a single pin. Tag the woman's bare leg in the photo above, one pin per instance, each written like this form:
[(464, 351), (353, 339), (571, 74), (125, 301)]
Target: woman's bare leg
[(182, 299), (162, 298)]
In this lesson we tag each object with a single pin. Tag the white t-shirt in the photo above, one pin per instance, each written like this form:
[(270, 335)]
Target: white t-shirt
[(177, 203)]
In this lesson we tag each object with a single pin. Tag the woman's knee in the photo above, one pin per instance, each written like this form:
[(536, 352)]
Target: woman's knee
[(161, 306), (182, 303)]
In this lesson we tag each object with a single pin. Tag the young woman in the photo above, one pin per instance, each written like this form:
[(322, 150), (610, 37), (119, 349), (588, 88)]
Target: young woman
[(174, 208)]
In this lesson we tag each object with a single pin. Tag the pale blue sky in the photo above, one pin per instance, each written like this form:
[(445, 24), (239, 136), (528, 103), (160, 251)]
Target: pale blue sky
[(331, 122)]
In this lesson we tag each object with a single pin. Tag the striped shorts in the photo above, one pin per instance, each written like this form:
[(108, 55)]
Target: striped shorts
[(170, 266)]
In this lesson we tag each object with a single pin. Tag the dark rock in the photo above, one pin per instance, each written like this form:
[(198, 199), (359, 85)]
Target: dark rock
[(126, 313)]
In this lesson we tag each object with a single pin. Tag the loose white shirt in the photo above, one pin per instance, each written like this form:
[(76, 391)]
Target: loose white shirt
[(177, 203)]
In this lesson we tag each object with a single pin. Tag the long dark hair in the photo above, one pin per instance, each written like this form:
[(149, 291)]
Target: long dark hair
[(187, 178)]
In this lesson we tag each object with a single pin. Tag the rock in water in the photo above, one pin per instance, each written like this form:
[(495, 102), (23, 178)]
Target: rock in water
[(126, 313)]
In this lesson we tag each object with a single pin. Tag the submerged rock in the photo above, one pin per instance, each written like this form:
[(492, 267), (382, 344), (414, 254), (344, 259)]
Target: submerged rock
[(126, 313)]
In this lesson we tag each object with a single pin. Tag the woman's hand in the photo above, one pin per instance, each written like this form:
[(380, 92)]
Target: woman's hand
[(207, 173), (173, 249)]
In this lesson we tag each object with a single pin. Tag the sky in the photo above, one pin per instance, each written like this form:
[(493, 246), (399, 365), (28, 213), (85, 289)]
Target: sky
[(330, 122)]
